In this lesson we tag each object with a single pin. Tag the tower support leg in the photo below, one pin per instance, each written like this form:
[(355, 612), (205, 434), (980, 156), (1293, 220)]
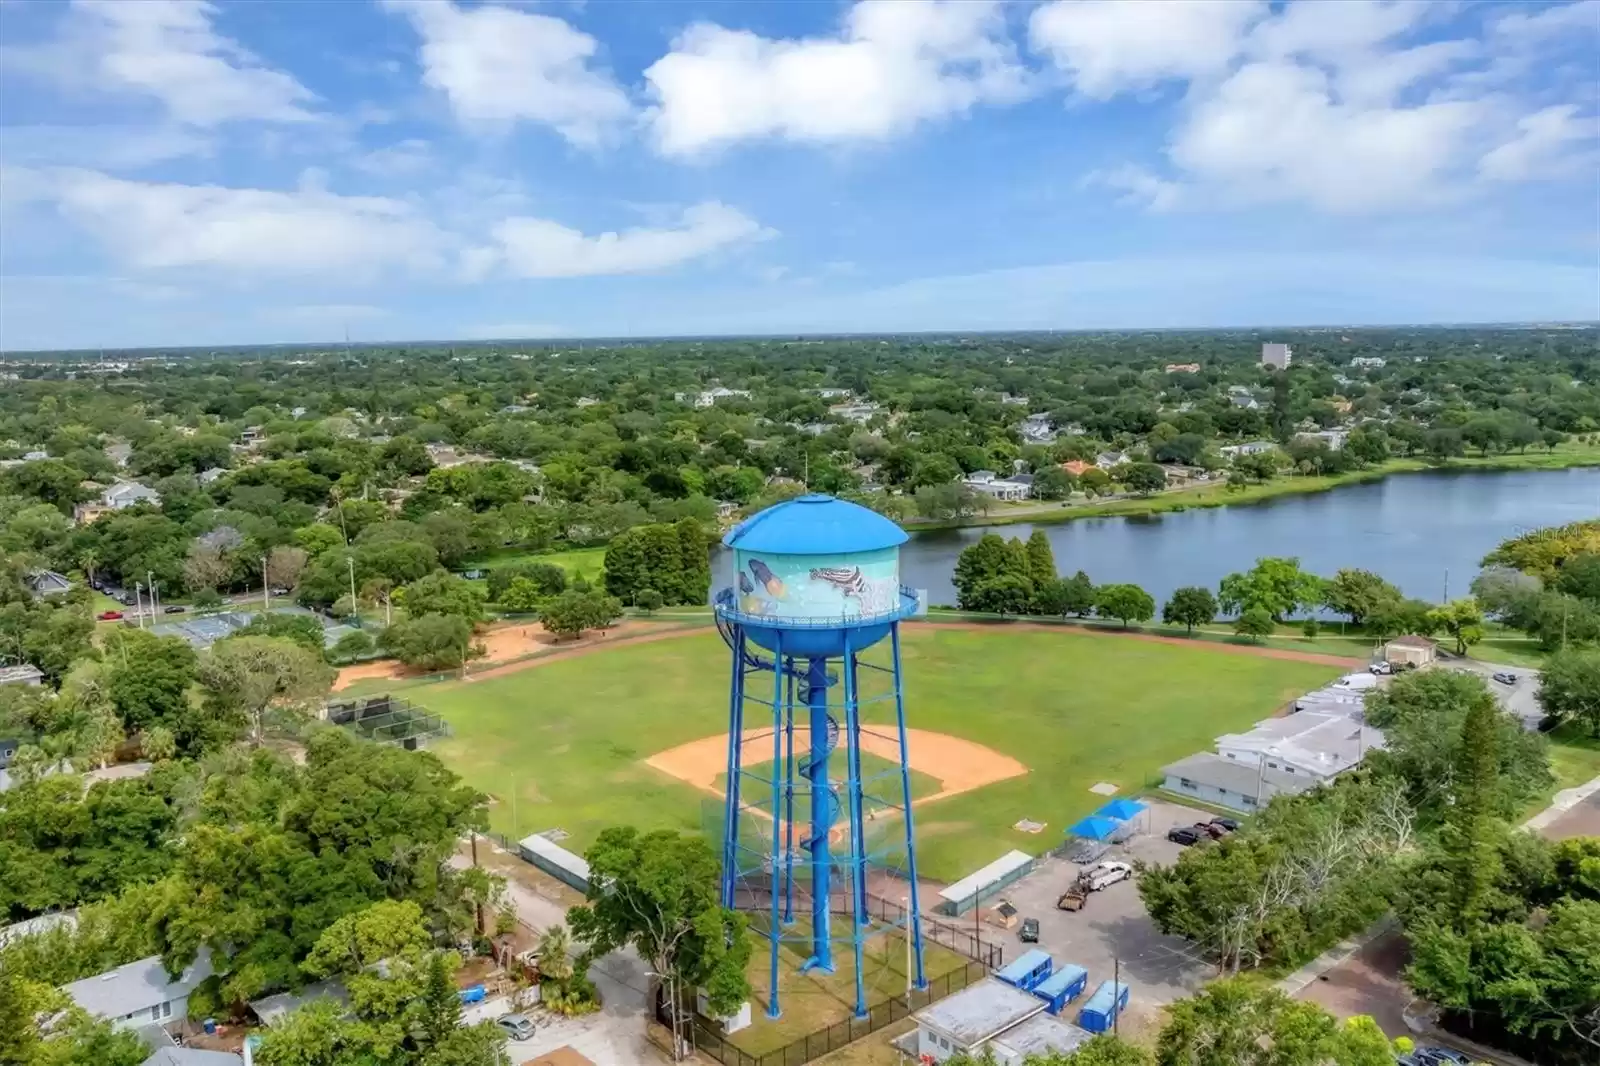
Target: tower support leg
[(730, 817), (788, 795), (824, 808), (773, 926), (914, 919), (858, 858)]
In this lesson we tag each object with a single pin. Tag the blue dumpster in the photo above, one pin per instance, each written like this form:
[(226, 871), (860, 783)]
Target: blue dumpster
[(1062, 987)]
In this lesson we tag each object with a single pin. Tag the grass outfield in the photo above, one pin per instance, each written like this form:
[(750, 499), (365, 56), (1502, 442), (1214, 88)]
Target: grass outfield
[(564, 745)]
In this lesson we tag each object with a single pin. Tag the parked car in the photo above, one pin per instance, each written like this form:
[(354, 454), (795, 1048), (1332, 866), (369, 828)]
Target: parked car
[(1441, 1056), (280, 592), (1104, 875), (1185, 835), (1505, 677), (516, 1026), (1210, 829), (109, 616), (1381, 668), (1229, 824), (125, 599), (173, 608), (1029, 933)]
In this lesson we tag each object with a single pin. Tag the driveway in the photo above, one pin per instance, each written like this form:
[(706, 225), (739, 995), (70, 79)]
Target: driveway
[(1520, 699), (614, 1035), (1112, 933)]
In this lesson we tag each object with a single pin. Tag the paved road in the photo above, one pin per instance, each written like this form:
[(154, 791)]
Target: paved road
[(1520, 699)]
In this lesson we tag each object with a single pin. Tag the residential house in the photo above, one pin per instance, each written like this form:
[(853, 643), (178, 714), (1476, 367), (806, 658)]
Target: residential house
[(1369, 362), (35, 456), (23, 674), (587, 401), (119, 452), (297, 413), (1277, 356), (1007, 488), (209, 475), (1410, 650), (250, 437), (141, 992), (859, 413), (1183, 368), (1077, 467), (1255, 447), (1037, 429), (192, 1056), (1178, 474), (832, 394), (1333, 438), (274, 1008), (968, 1020), (47, 583), (35, 926), (447, 456), (1107, 460), (8, 749), (710, 397), (1244, 400), (1013, 401)]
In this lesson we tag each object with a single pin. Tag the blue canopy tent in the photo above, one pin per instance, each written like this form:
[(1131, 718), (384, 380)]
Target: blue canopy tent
[(1122, 809), (1094, 827)]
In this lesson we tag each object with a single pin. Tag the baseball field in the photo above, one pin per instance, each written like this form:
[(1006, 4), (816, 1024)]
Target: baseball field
[(1008, 724)]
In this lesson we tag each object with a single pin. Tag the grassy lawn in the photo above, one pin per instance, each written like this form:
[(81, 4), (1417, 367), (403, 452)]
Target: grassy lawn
[(586, 561), (1574, 756), (564, 745), (814, 1000)]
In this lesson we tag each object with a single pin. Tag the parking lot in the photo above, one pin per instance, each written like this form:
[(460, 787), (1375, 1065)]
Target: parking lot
[(1520, 699), (1113, 931)]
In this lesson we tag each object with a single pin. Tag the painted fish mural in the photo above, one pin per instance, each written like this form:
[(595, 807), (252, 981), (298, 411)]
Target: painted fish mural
[(769, 581), (873, 595), (749, 602)]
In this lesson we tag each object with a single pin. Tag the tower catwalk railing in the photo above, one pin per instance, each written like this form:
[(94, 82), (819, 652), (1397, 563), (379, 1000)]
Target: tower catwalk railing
[(819, 696)]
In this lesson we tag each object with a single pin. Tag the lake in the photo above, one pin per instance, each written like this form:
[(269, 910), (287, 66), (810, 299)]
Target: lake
[(1425, 532)]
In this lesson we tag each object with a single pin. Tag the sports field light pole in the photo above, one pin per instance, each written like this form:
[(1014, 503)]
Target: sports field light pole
[(266, 593), (138, 604), (150, 586)]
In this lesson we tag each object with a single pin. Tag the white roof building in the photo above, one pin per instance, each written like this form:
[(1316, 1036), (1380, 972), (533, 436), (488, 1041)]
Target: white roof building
[(968, 1020)]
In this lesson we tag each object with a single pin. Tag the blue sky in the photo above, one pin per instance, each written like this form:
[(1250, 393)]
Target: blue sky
[(213, 173)]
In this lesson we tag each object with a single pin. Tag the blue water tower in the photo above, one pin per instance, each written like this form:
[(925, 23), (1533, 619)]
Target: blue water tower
[(816, 587)]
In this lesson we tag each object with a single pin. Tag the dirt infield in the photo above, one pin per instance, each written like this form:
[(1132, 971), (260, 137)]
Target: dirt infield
[(518, 646), (960, 765)]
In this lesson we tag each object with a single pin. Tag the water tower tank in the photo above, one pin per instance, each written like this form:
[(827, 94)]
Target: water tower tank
[(816, 567)]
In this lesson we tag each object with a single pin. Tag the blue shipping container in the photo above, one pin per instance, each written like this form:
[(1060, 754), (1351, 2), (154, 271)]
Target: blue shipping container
[(1062, 987), (1028, 972), (1108, 1001)]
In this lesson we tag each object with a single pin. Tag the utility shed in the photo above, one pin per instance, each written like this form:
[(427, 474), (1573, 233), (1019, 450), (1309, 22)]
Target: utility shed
[(556, 861), (1040, 1035), (970, 1019), (973, 889)]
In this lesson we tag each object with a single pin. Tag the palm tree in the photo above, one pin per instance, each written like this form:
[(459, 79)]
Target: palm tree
[(555, 954), (87, 558)]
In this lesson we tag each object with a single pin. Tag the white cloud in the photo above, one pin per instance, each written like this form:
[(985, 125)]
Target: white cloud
[(499, 66), (107, 146), (167, 50), (1538, 150), (1275, 131), (894, 64), (1138, 187), (540, 248), (1334, 105), (402, 159), (1109, 46), (250, 231)]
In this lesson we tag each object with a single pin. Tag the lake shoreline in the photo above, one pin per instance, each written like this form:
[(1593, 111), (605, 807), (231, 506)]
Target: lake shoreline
[(1217, 495)]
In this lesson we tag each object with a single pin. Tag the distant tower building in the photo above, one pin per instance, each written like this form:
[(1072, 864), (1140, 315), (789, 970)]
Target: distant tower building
[(1276, 356)]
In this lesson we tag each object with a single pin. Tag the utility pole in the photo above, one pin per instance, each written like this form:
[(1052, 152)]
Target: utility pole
[(150, 586), (266, 591), (1446, 586), (1116, 993), (138, 604), (355, 608)]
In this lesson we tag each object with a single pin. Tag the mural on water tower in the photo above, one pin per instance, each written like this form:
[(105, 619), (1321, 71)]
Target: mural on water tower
[(861, 584)]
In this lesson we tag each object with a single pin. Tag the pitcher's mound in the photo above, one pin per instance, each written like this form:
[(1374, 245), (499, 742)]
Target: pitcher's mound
[(962, 765)]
